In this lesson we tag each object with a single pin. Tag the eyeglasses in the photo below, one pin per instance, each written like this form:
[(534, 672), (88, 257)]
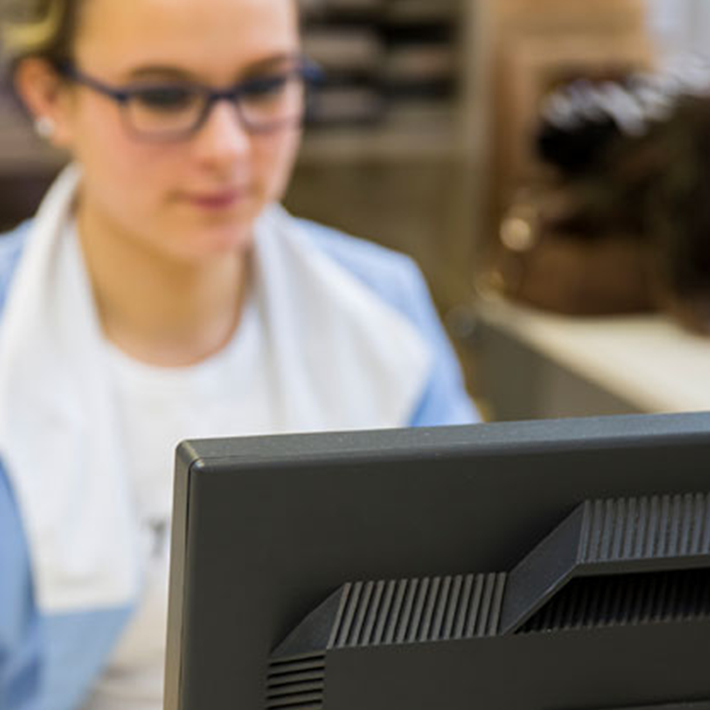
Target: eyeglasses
[(175, 110)]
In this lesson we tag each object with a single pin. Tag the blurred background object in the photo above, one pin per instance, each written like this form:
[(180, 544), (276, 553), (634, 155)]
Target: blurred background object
[(397, 131), (618, 224), (597, 220), (538, 46)]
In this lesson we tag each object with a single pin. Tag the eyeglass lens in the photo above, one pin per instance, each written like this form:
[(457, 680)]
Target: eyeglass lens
[(172, 110)]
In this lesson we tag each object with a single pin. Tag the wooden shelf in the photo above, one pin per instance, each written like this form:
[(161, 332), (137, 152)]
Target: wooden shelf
[(380, 145), (417, 137)]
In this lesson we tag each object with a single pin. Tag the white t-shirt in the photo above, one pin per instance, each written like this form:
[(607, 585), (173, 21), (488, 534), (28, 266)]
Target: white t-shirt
[(159, 407)]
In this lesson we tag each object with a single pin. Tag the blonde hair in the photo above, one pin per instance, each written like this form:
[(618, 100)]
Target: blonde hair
[(47, 28), (38, 28)]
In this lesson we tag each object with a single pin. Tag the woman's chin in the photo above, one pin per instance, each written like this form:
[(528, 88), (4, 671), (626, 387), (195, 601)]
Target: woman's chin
[(218, 232), (226, 240)]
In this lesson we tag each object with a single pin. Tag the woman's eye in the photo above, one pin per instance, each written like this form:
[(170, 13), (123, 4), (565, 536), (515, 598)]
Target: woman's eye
[(165, 98), (265, 87)]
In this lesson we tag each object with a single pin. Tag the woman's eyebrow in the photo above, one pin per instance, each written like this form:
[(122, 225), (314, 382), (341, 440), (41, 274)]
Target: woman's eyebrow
[(159, 71), (271, 62)]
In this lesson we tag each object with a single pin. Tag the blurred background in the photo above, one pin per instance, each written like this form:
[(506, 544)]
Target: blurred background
[(542, 160)]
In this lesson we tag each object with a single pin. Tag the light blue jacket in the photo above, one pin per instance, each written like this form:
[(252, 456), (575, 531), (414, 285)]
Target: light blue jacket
[(50, 662)]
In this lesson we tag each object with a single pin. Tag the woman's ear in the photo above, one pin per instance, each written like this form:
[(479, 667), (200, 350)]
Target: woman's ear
[(45, 95)]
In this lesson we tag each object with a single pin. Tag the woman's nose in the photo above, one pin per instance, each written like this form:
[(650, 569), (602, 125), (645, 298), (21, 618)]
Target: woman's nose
[(223, 137)]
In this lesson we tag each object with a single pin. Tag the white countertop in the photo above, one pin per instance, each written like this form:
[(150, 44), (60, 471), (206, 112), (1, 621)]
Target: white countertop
[(647, 360)]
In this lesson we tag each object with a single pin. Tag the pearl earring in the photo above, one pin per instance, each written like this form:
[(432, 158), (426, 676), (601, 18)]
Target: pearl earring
[(45, 127)]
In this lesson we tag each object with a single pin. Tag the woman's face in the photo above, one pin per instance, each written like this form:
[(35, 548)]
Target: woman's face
[(193, 198)]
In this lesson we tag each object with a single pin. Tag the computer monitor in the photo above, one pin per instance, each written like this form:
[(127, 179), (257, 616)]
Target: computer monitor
[(549, 565)]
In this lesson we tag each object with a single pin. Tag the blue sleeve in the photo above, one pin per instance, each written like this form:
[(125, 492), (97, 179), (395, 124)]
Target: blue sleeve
[(444, 399), (11, 246), (19, 621), (397, 280)]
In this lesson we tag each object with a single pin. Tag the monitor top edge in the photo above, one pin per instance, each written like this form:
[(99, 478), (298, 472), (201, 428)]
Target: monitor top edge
[(510, 437)]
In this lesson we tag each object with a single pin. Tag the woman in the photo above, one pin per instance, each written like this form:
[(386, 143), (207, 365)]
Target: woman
[(159, 294)]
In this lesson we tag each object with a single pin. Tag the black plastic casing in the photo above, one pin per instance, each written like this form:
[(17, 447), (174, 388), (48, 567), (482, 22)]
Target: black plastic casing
[(284, 548)]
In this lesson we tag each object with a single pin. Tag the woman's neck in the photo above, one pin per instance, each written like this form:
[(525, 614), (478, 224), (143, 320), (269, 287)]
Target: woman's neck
[(161, 311)]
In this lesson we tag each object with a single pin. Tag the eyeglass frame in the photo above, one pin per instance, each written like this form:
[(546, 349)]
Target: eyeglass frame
[(310, 72)]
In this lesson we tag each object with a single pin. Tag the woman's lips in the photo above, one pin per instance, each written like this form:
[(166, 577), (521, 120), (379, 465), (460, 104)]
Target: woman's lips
[(216, 201)]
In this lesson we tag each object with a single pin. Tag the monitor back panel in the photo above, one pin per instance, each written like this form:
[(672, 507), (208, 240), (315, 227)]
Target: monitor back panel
[(266, 528)]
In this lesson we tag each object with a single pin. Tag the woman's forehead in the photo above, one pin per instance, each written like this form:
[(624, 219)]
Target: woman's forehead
[(199, 36)]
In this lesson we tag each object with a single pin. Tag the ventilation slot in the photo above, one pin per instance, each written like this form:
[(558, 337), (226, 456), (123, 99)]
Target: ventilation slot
[(592, 602), (659, 526), (297, 684), (419, 610)]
